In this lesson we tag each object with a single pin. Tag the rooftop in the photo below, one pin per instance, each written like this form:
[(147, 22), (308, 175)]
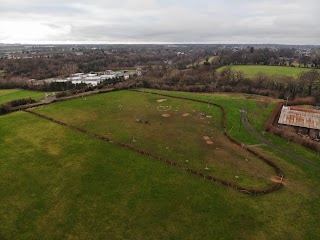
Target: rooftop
[(300, 117)]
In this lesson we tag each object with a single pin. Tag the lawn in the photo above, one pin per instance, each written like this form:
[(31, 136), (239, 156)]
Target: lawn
[(7, 95), (114, 115), (253, 70), (57, 183)]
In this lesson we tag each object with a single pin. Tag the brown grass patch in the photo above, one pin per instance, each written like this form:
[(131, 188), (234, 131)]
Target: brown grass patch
[(53, 149)]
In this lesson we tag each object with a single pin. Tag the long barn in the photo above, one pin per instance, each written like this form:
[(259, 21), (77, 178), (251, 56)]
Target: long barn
[(308, 119)]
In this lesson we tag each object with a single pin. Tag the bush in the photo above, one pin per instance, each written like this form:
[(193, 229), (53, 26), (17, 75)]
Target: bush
[(7, 107), (20, 102)]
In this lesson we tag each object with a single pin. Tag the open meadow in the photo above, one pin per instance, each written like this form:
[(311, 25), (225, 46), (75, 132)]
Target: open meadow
[(58, 183), (7, 95), (252, 70)]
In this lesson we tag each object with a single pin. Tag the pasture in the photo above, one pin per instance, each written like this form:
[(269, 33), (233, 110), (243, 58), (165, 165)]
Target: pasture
[(186, 132), (252, 70), (57, 183), (7, 95)]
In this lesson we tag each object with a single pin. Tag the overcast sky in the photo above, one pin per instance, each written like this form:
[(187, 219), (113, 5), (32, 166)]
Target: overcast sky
[(160, 21)]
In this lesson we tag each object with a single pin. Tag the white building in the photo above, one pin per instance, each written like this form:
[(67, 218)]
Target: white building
[(92, 78)]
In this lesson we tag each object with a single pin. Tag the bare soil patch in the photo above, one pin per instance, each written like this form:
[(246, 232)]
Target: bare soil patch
[(201, 116), (206, 138), (278, 179), (209, 142), (186, 115), (161, 100), (166, 115)]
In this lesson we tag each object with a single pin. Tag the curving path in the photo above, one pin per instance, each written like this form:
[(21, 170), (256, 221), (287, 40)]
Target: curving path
[(247, 125), (270, 189)]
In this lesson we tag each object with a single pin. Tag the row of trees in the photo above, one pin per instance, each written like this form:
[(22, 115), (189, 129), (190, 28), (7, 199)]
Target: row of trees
[(283, 57), (63, 66), (206, 79)]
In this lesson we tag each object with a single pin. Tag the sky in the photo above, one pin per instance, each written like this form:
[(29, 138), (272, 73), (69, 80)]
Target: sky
[(160, 21)]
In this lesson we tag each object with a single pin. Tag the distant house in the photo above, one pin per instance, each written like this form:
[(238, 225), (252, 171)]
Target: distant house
[(109, 72), (106, 77)]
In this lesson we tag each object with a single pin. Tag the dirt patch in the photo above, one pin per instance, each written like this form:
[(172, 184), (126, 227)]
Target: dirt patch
[(161, 100), (186, 115), (201, 116), (209, 142), (166, 115), (206, 138), (278, 179)]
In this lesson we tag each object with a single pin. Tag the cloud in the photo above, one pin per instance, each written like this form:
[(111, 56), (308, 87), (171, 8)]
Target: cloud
[(203, 21)]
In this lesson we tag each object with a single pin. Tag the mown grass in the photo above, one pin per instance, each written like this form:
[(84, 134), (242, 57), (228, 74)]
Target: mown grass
[(7, 95), (179, 138), (56, 183), (252, 70)]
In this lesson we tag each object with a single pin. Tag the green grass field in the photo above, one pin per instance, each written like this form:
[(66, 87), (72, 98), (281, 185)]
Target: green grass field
[(165, 136), (7, 95), (253, 70), (56, 183)]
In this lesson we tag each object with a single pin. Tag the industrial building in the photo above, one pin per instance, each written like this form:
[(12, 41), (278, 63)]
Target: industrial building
[(93, 78)]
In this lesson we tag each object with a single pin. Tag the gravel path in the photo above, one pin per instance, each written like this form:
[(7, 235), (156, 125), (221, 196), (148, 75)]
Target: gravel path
[(247, 125)]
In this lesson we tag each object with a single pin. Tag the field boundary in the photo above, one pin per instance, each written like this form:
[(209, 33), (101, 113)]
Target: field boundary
[(270, 189), (62, 99)]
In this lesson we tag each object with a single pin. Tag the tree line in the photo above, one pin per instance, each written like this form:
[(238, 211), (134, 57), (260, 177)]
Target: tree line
[(207, 79)]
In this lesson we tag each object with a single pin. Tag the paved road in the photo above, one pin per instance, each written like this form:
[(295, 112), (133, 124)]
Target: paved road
[(247, 125)]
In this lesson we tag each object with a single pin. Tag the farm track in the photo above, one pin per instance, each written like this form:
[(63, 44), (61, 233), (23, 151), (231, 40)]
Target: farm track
[(247, 125), (270, 189)]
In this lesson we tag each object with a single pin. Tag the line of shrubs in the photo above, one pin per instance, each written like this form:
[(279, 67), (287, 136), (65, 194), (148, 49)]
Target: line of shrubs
[(271, 124), (8, 106)]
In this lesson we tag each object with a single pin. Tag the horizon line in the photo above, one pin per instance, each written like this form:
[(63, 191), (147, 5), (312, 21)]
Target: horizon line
[(152, 43)]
